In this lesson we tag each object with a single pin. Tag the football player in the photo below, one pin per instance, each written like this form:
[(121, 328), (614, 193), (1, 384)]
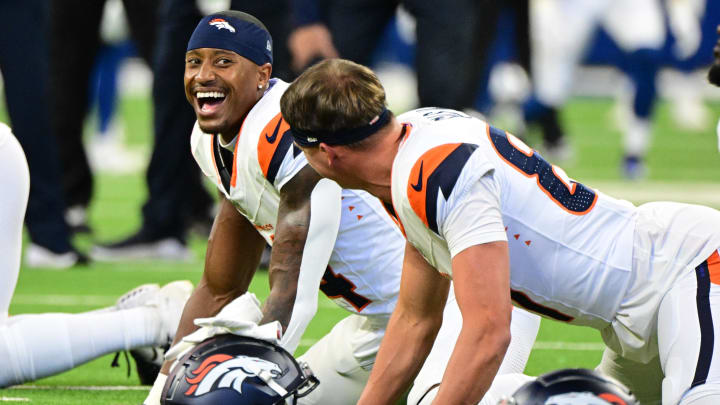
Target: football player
[(714, 74), (561, 32), (483, 209), (146, 316), (342, 241)]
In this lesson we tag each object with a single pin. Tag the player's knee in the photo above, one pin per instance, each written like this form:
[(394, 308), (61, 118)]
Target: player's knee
[(10, 373), (704, 394)]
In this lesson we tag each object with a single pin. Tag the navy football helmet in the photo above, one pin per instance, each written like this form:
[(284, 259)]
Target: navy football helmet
[(231, 369), (571, 387)]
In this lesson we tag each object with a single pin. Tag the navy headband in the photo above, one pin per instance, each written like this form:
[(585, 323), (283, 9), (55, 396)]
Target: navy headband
[(232, 34), (342, 136)]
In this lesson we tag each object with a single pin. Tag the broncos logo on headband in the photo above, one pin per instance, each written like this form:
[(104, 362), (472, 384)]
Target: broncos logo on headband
[(221, 24), (225, 371)]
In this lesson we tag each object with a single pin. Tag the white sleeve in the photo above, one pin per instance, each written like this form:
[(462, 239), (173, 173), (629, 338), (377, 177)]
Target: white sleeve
[(290, 166), (473, 216), (325, 204), (201, 152)]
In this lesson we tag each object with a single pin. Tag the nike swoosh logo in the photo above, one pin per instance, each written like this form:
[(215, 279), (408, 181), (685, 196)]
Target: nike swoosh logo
[(418, 187), (271, 139)]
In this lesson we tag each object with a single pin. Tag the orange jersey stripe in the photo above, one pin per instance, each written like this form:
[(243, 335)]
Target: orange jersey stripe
[(421, 171), (713, 263), (270, 140)]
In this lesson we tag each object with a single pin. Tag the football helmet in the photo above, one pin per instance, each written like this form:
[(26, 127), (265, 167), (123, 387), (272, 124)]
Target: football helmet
[(231, 369), (571, 387)]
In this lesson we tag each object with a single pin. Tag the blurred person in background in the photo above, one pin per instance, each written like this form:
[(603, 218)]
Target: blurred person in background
[(34, 346), (177, 199), (107, 151), (74, 48), (561, 31), (452, 40), (714, 74), (23, 62)]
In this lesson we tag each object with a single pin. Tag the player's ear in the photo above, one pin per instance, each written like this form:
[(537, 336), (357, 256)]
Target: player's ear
[(264, 71), (329, 152)]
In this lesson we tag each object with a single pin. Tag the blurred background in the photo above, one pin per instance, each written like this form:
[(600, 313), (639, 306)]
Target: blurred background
[(615, 92)]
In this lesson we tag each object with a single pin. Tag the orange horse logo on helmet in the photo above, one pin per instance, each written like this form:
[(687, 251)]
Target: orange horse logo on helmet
[(226, 371)]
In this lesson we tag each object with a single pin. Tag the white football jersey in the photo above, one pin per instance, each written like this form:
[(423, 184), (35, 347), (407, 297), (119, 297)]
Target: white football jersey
[(458, 182), (360, 278)]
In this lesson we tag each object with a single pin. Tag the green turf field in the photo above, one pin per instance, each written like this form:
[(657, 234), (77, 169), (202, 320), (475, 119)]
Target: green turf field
[(683, 166)]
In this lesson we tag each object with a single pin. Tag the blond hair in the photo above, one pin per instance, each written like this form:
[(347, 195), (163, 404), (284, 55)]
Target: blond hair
[(333, 95)]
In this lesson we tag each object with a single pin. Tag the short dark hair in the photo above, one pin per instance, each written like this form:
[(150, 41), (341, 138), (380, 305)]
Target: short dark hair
[(332, 95)]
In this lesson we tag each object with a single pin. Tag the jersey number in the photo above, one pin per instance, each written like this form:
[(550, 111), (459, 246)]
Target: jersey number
[(570, 195), (337, 286)]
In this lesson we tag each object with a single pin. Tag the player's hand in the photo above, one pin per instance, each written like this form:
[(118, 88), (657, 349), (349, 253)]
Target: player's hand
[(240, 317), (309, 42)]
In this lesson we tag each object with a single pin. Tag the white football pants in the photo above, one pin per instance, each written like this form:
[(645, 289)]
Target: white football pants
[(35, 346), (670, 324)]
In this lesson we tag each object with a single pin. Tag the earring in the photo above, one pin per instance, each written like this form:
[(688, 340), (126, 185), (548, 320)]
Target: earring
[(260, 86)]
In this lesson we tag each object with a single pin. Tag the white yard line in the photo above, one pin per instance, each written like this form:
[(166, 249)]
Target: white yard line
[(571, 346), (82, 387), (14, 399)]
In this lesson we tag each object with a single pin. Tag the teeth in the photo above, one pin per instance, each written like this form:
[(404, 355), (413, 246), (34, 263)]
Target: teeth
[(209, 94)]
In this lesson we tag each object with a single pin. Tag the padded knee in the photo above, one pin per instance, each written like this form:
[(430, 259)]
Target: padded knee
[(643, 380)]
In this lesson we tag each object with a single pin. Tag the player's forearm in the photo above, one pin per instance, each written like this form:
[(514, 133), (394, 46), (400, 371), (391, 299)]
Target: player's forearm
[(232, 255), (285, 263), (306, 212), (473, 364), (406, 344)]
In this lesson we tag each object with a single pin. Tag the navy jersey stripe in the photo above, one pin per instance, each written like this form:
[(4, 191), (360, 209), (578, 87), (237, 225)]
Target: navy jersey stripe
[(286, 141), (223, 157), (707, 337), (391, 210), (444, 178)]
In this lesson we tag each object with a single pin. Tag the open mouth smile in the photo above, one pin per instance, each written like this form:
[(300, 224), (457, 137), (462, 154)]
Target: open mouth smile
[(209, 102)]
